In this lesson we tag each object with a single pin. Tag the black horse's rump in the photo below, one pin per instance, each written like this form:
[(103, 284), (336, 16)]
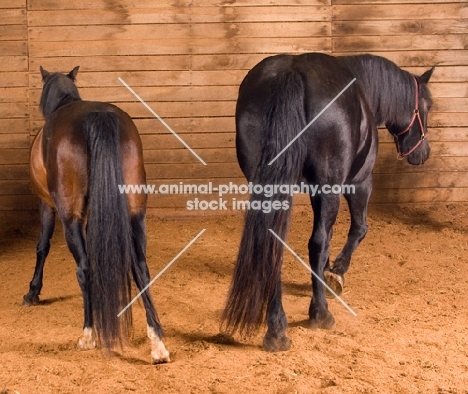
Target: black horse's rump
[(277, 99)]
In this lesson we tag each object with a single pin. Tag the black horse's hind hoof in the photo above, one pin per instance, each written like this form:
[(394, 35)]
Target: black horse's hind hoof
[(335, 282), (29, 300), (323, 320), (271, 344)]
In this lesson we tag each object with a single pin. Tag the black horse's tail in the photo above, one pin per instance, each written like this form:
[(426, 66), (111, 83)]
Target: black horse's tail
[(258, 269), (109, 242)]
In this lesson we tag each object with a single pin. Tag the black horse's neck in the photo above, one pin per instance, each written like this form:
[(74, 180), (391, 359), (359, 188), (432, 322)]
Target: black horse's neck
[(390, 90)]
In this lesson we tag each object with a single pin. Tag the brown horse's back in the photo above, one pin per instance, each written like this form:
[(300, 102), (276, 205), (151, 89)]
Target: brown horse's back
[(59, 158)]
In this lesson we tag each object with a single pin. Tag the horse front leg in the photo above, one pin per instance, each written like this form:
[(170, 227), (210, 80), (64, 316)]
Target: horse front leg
[(357, 203), (159, 353), (47, 217)]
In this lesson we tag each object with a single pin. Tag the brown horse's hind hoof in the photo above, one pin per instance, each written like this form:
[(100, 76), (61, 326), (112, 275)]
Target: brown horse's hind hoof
[(29, 301), (86, 341), (335, 282), (271, 344)]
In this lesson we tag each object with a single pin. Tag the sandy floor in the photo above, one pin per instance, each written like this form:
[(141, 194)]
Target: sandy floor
[(407, 283)]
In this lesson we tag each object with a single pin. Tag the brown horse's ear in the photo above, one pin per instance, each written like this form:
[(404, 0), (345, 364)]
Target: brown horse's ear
[(427, 75), (72, 73), (45, 74)]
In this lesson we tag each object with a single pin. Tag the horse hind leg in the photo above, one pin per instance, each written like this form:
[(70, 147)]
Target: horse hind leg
[(275, 339), (75, 241), (47, 216), (357, 202), (159, 353), (325, 213)]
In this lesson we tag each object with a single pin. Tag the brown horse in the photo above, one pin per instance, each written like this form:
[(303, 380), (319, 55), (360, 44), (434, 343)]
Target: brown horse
[(85, 150)]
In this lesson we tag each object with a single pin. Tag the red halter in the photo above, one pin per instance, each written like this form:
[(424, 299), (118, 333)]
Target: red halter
[(416, 114)]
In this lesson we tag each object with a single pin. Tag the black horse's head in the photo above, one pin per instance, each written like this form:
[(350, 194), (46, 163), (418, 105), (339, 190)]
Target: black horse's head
[(59, 89), (411, 141)]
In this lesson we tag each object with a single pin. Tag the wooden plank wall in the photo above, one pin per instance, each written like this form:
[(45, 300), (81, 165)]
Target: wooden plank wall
[(186, 59), (14, 113)]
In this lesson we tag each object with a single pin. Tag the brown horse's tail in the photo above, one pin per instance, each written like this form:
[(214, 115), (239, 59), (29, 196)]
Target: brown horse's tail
[(258, 268), (108, 236)]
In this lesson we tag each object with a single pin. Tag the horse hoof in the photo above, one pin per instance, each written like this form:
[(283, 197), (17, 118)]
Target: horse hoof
[(87, 342), (29, 300), (324, 320), (335, 282), (160, 356), (159, 353), (271, 344)]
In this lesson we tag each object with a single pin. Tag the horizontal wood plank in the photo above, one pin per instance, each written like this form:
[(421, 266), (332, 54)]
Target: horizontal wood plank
[(399, 27), (194, 170), (13, 126), (188, 32), (178, 46), (13, 171), (179, 15), (183, 155), (157, 78), (442, 179), (16, 140), (14, 156), (13, 95), (399, 43), (111, 63), (129, 4), (374, 2), (14, 16), (14, 187), (13, 79), (13, 4), (13, 48), (449, 89), (179, 94), (454, 119), (387, 163), (388, 11), (13, 110), (13, 33), (13, 63)]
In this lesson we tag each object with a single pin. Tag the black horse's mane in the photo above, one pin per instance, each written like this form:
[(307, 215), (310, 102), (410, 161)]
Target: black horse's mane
[(388, 88), (58, 90)]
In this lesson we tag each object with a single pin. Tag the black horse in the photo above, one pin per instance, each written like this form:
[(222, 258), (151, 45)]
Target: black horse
[(278, 98), (77, 161)]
